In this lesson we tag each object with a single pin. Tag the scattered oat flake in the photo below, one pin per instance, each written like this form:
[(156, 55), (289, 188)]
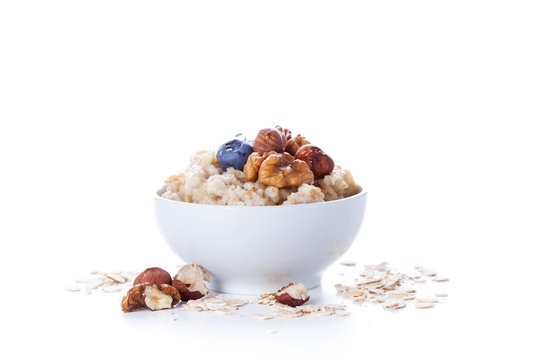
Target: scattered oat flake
[(424, 305), (73, 288), (382, 285), (271, 332), (93, 284), (429, 272), (116, 278), (354, 292), (440, 279), (308, 308), (441, 295), (235, 302), (370, 282), (289, 314), (348, 263), (262, 317), (426, 300), (395, 305), (110, 289)]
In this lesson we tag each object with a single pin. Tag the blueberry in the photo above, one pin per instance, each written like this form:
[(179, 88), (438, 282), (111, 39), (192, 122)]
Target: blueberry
[(234, 154)]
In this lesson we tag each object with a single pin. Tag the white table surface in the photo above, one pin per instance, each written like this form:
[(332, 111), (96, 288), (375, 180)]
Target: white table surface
[(432, 105)]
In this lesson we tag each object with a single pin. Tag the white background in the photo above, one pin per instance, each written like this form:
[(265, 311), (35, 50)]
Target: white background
[(433, 106)]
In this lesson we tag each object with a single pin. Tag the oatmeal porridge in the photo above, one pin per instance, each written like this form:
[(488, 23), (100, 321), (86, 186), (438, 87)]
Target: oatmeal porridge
[(276, 170)]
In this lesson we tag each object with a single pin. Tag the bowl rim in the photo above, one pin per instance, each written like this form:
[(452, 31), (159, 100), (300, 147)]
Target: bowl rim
[(158, 197)]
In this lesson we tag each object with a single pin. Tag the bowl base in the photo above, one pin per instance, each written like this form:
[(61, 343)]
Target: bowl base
[(240, 288)]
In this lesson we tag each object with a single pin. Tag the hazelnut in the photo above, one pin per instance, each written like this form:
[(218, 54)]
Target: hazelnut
[(294, 144), (292, 295), (180, 286), (151, 296), (270, 140), (134, 299), (153, 275), (190, 282), (160, 297), (282, 170), (318, 161)]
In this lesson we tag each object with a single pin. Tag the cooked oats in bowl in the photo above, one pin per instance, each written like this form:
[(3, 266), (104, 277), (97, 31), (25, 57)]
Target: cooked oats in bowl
[(251, 242), (276, 170), (204, 182)]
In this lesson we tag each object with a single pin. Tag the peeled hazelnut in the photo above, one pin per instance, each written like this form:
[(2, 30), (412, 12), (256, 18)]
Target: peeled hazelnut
[(292, 295), (270, 140), (153, 275), (318, 161), (151, 296), (253, 164), (282, 170), (190, 282), (294, 144), (160, 297)]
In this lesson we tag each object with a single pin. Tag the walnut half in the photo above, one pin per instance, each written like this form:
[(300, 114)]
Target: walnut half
[(253, 164), (282, 170), (294, 144)]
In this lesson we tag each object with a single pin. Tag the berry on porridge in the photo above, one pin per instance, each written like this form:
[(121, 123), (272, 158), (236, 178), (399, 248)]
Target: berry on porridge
[(233, 154), (274, 169)]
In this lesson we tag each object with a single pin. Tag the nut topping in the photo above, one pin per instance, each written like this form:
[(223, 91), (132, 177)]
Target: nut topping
[(286, 132), (282, 170), (294, 144), (270, 140), (253, 164), (318, 161)]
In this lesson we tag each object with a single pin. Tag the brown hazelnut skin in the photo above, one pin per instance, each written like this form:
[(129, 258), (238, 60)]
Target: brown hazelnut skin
[(270, 140), (153, 275), (287, 299), (318, 161)]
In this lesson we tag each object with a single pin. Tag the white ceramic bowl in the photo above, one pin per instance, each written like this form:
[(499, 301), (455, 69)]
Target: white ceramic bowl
[(256, 249)]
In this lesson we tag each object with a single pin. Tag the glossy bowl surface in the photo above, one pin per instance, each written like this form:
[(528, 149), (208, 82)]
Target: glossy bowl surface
[(256, 249)]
